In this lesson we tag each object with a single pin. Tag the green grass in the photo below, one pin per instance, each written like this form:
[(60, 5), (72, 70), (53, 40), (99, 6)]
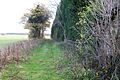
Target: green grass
[(41, 65), (8, 39)]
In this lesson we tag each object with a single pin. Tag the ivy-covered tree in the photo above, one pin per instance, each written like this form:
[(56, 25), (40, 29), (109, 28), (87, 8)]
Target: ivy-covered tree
[(68, 15), (93, 29)]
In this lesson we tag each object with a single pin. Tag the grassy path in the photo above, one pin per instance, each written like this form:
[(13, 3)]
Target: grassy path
[(41, 65)]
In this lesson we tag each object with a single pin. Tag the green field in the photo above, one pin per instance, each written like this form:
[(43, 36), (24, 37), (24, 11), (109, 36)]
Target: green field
[(41, 65), (8, 39)]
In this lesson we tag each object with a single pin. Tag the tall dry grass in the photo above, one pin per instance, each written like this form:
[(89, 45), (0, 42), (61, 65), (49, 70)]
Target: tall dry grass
[(16, 52)]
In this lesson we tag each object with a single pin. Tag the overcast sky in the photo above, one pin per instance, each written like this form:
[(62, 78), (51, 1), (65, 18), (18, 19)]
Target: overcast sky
[(11, 12)]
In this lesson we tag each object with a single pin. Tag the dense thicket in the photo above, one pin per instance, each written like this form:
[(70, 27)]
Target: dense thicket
[(91, 27), (67, 17)]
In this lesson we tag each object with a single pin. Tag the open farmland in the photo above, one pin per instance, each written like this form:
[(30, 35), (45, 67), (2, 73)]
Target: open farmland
[(8, 39)]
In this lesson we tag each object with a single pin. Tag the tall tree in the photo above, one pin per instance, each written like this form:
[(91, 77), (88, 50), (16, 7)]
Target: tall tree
[(37, 20)]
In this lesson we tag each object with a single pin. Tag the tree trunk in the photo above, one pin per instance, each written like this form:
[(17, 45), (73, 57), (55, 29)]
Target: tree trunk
[(42, 32)]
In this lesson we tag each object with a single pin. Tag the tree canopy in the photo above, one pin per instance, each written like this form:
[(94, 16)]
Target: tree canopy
[(37, 20)]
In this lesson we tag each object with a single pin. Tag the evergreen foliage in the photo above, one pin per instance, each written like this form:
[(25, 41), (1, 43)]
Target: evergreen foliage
[(67, 14), (91, 30)]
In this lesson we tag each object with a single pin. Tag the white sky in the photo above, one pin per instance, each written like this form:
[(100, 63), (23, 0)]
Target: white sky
[(11, 12)]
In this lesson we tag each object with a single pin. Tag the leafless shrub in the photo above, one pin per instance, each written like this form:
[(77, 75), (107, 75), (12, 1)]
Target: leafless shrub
[(17, 51), (104, 56), (105, 28)]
